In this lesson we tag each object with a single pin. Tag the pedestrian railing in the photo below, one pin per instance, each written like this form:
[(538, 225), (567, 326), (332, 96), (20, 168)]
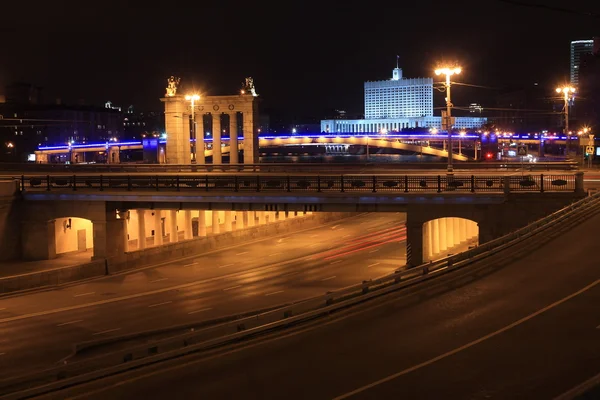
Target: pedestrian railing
[(77, 372), (306, 183)]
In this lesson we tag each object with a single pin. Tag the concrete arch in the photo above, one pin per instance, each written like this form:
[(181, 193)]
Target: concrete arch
[(73, 235), (448, 235)]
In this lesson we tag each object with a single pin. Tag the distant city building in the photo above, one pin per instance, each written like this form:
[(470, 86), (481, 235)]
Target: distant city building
[(399, 97), (579, 48), (396, 104), (139, 125), (587, 111)]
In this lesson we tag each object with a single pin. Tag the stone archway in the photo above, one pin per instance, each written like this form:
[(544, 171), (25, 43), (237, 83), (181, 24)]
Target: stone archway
[(178, 112)]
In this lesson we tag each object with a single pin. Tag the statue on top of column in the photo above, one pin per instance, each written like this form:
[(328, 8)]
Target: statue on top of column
[(248, 87), (172, 84)]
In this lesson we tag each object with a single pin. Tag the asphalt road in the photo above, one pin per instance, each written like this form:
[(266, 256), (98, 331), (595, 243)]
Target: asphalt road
[(40, 328), (530, 330)]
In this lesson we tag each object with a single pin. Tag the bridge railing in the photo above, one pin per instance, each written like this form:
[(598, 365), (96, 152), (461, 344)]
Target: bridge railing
[(381, 183), (77, 372), (280, 167)]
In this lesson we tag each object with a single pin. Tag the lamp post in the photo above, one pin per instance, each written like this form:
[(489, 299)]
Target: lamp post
[(448, 72), (192, 98), (567, 92)]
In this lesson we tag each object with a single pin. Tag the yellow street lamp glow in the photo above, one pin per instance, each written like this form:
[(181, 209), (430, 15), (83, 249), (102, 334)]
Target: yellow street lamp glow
[(448, 71), (192, 97)]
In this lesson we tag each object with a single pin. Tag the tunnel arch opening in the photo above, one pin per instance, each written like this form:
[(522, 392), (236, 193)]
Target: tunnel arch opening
[(448, 235), (73, 235)]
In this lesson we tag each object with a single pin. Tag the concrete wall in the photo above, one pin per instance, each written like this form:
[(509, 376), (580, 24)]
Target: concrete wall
[(198, 245), (10, 226), (66, 235)]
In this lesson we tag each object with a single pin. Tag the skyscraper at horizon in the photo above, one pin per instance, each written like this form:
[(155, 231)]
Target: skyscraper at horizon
[(578, 49)]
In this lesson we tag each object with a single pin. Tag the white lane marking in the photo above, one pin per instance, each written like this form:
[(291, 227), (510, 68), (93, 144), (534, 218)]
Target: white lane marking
[(1, 354), (242, 253), (335, 226), (160, 304), (313, 245), (107, 331), (274, 254), (225, 266), (201, 310), (314, 235), (70, 322), (233, 287), (468, 345), (84, 294), (159, 280), (326, 279), (190, 265), (345, 236), (2, 309), (374, 251), (271, 294), (372, 265), (335, 262)]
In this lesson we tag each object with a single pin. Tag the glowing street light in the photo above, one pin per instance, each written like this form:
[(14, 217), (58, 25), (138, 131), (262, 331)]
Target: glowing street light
[(192, 98), (567, 92), (448, 72)]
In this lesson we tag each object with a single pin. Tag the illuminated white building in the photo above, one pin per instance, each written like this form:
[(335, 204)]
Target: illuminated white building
[(397, 104), (578, 49)]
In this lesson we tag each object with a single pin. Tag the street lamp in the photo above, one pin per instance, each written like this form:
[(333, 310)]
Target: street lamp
[(193, 98), (567, 92), (448, 72)]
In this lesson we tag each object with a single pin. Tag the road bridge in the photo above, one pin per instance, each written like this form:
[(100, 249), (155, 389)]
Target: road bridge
[(115, 206)]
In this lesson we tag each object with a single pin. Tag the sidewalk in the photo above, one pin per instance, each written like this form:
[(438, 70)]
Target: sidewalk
[(11, 269)]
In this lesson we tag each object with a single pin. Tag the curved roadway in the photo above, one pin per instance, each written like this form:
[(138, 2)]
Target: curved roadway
[(40, 328), (530, 330)]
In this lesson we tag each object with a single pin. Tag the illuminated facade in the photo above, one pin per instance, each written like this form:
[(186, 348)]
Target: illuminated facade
[(399, 97), (579, 48), (396, 104)]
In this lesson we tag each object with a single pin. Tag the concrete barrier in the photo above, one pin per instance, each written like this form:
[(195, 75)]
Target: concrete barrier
[(52, 277), (185, 248), (164, 253)]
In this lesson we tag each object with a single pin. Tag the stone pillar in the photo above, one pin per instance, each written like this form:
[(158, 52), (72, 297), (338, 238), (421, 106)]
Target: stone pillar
[(427, 241), (158, 236), (216, 135), (262, 217), (141, 217), (435, 236), (173, 226), (228, 221), (215, 222), (187, 233), (200, 147), (125, 234), (113, 156), (239, 217), (38, 240), (233, 139), (201, 223), (108, 237), (250, 130), (414, 244), (177, 128), (450, 233), (251, 218), (443, 234), (463, 229), (458, 239)]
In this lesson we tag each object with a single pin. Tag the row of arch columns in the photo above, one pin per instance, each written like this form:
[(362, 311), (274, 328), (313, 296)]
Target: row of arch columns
[(146, 228), (444, 234)]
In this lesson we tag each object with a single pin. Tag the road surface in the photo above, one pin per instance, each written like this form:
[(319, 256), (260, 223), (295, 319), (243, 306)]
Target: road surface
[(40, 328), (530, 330)]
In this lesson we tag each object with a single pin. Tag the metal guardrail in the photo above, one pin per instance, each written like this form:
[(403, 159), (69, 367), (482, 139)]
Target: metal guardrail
[(380, 183), (283, 167), (230, 332)]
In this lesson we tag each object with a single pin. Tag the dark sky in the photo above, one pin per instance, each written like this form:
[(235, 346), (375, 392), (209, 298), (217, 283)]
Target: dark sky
[(305, 57)]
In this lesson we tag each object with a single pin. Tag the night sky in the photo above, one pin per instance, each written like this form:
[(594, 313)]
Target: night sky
[(306, 58)]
